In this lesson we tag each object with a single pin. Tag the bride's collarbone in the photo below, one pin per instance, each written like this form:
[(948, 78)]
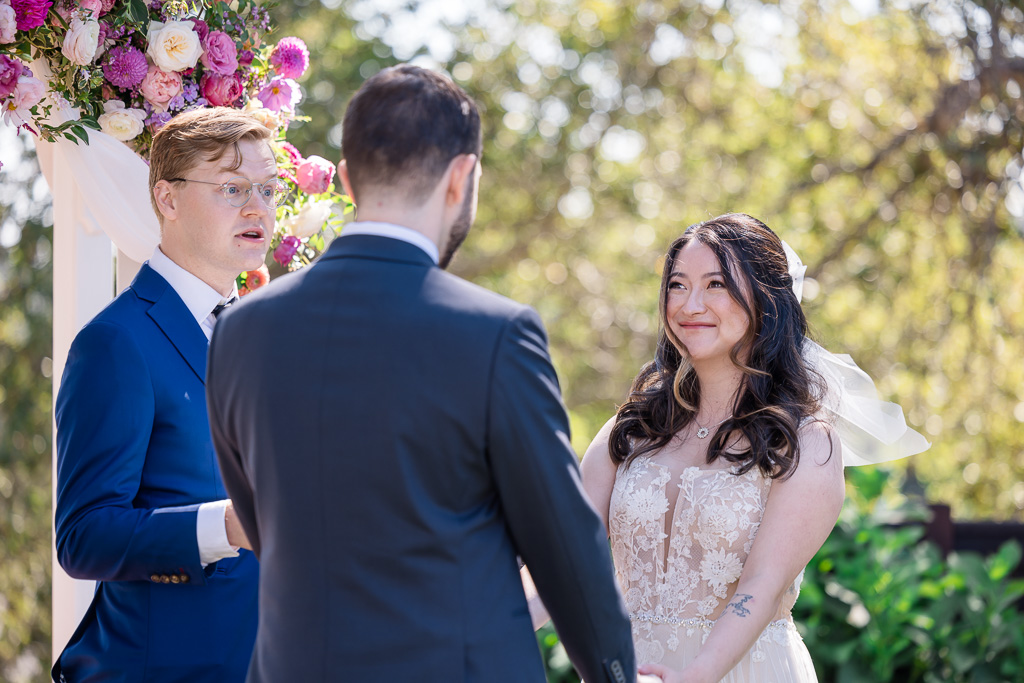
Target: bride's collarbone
[(686, 451)]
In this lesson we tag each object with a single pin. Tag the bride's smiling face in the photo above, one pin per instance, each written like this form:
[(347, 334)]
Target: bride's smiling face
[(699, 310)]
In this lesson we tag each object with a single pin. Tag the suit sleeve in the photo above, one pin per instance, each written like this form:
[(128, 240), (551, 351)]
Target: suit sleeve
[(556, 531), (229, 457), (105, 414)]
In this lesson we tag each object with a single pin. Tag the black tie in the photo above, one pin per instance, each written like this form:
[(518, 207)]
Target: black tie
[(219, 308)]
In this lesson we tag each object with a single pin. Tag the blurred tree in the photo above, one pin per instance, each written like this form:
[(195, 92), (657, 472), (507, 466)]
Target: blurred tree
[(26, 340), (881, 139), (883, 143)]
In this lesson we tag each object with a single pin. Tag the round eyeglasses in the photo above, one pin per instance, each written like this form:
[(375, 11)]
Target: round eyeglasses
[(238, 190)]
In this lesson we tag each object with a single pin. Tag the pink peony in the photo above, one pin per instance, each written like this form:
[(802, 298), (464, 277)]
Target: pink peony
[(30, 13), (315, 174), (221, 91), (286, 250), (219, 53), (159, 87), (280, 93), (94, 6), (10, 69), (290, 58), (107, 5)]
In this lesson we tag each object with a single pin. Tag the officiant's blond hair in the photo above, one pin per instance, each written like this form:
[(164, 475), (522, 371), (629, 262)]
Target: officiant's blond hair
[(193, 137)]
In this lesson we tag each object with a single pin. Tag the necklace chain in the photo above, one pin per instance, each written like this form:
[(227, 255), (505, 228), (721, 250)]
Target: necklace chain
[(702, 432)]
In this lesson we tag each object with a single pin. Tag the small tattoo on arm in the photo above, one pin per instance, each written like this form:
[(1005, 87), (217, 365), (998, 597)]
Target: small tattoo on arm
[(739, 600)]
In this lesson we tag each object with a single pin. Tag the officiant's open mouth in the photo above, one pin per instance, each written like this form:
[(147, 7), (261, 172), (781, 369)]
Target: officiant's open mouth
[(252, 234)]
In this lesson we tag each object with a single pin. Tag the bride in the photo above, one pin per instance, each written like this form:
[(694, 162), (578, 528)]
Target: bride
[(720, 478)]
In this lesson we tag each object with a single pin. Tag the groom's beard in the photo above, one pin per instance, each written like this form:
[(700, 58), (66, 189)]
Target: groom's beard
[(460, 228)]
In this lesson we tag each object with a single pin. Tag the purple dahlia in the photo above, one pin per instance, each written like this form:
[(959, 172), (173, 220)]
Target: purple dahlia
[(290, 58), (125, 67)]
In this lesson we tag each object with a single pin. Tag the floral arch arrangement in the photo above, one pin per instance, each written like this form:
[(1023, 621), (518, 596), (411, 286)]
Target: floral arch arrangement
[(126, 67)]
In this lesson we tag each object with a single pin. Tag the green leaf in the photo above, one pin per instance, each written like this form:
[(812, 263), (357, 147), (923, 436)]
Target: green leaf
[(138, 10)]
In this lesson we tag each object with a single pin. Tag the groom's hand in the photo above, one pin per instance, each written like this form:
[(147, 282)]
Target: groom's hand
[(236, 534)]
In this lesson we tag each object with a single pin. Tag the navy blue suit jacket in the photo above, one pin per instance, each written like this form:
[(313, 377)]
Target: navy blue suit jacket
[(392, 438), (134, 462)]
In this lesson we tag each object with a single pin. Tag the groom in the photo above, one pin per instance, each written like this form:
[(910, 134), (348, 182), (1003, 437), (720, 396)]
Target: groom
[(393, 436)]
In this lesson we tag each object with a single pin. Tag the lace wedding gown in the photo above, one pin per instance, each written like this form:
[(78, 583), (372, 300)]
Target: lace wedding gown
[(678, 565)]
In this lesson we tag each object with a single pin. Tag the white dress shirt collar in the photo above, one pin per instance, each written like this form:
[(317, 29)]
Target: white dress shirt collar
[(393, 231), (199, 297)]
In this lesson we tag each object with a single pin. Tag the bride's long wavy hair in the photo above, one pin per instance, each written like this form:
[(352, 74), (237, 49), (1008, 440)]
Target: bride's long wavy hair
[(778, 389)]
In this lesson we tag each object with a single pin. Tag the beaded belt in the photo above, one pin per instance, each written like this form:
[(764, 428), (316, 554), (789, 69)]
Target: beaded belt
[(698, 622), (692, 622)]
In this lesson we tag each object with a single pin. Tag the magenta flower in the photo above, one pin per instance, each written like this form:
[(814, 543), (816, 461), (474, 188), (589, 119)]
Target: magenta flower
[(219, 53), (221, 91), (30, 13), (10, 69), (245, 57), (292, 151), (280, 93), (290, 58), (315, 174), (125, 66), (202, 28), (286, 250)]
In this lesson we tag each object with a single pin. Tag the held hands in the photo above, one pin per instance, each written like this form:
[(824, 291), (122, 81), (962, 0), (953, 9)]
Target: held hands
[(653, 673), (236, 534)]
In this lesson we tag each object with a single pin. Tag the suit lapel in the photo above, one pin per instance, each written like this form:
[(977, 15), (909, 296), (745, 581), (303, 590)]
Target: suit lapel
[(173, 318)]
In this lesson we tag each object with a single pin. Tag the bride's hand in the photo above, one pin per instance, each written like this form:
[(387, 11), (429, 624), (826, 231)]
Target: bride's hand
[(665, 674)]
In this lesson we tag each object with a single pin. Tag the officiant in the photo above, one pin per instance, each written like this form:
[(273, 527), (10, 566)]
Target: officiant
[(140, 503)]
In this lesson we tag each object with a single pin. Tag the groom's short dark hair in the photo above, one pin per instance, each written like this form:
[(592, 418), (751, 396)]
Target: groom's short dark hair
[(404, 126)]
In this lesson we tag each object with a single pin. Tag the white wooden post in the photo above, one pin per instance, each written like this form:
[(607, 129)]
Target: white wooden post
[(83, 283)]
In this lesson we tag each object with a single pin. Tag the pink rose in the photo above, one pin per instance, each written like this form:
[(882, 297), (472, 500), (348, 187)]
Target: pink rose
[(219, 53), (286, 250), (221, 91), (160, 87), (94, 6), (315, 174), (10, 69)]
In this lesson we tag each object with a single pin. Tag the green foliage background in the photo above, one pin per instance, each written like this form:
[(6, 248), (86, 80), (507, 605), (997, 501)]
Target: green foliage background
[(883, 144)]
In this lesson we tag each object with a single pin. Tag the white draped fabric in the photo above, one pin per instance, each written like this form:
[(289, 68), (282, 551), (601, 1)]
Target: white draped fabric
[(110, 183), (100, 201)]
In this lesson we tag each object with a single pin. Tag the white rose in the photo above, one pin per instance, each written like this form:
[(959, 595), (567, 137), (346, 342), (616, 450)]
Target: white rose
[(173, 46), (120, 123), (8, 23), (310, 219), (81, 41), (265, 116)]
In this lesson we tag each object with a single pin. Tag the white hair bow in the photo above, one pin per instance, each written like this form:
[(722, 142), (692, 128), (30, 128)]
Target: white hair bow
[(870, 429)]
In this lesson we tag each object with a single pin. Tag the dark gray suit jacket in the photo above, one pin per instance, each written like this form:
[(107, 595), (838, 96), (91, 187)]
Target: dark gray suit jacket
[(392, 438)]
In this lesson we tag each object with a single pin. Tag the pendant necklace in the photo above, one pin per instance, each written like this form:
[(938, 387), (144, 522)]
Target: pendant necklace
[(702, 432)]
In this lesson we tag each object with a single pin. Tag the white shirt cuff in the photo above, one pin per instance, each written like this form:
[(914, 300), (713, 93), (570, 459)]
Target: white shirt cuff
[(212, 534)]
